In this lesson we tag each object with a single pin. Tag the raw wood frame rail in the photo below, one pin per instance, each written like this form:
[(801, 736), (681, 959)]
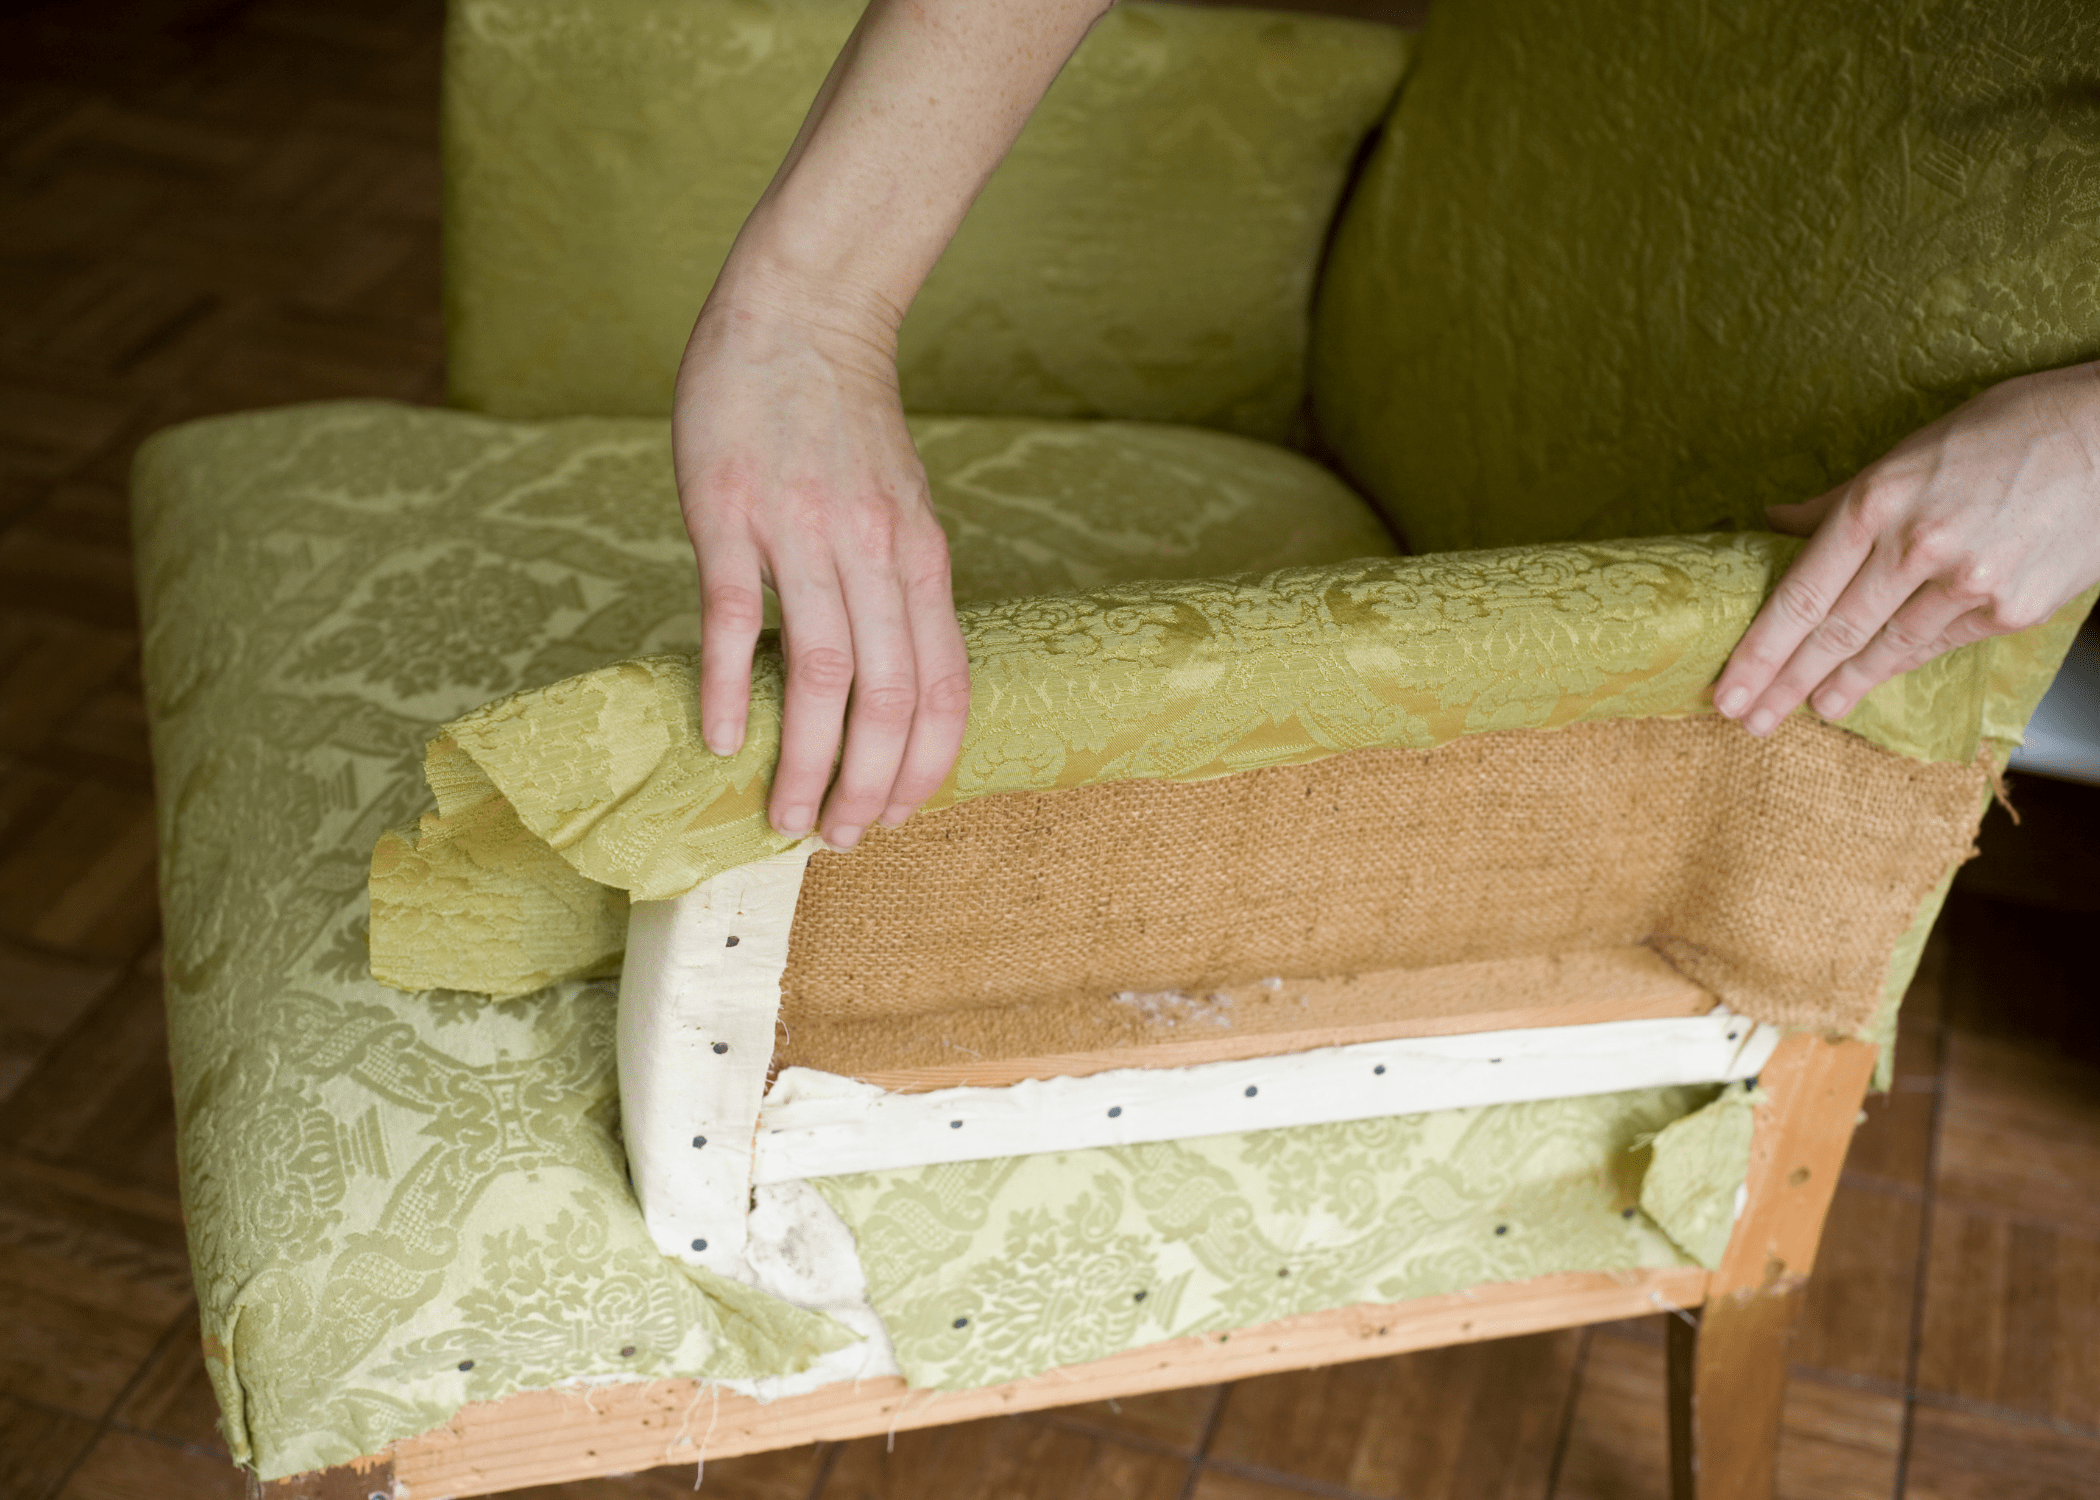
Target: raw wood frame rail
[(1727, 1353)]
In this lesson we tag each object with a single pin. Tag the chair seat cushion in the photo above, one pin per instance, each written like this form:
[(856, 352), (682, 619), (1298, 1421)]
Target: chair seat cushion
[(399, 1203)]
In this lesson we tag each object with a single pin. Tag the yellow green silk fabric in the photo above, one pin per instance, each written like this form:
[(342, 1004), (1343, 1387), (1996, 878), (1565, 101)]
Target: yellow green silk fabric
[(558, 804), (1699, 1163), (1558, 311), (988, 1271), (396, 1204), (1147, 250), (400, 1203), (1646, 267)]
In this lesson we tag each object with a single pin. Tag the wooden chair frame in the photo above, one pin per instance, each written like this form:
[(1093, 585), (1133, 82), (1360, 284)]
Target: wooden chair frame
[(1727, 1348)]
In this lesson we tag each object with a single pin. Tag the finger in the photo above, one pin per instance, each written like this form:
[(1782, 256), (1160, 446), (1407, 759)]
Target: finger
[(818, 642), (1872, 598), (943, 711), (1914, 635), (885, 692), (732, 612), (1798, 605)]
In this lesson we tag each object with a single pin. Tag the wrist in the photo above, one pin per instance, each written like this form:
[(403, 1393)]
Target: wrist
[(815, 277), (2069, 398), (759, 316), (764, 310)]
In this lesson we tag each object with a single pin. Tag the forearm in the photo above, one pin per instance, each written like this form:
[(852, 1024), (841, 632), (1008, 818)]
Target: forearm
[(920, 107)]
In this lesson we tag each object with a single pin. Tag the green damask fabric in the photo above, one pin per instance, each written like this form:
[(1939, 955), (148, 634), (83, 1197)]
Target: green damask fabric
[(989, 1271), (1033, 507), (400, 1203), (1181, 681), (1147, 250), (1638, 267), (1699, 1163)]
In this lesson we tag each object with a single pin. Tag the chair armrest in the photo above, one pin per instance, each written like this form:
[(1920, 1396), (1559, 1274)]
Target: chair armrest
[(554, 802)]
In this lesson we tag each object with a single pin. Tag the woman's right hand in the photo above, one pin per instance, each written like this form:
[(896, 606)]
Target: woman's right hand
[(794, 466), (795, 470)]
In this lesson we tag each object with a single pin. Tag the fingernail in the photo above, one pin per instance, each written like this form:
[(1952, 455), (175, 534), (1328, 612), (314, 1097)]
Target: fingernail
[(1731, 702), (1761, 722), (843, 837), (795, 822), (897, 816), (1831, 705), (726, 741)]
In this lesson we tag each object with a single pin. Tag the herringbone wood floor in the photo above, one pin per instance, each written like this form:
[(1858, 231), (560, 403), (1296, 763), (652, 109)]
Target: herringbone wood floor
[(214, 204)]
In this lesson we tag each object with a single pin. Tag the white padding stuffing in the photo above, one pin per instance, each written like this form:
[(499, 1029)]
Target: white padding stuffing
[(800, 1250)]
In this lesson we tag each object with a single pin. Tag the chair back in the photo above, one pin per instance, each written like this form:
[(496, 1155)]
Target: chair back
[(1633, 267), (1146, 251)]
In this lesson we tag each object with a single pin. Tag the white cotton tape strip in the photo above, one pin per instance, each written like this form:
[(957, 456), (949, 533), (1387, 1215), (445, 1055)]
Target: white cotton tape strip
[(699, 1000), (819, 1124)]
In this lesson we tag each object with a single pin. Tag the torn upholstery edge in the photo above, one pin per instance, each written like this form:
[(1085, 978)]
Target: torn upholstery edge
[(1698, 1164), (519, 877), (2021, 667)]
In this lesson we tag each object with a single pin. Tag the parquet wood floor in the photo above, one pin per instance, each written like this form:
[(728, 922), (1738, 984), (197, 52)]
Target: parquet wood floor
[(207, 205)]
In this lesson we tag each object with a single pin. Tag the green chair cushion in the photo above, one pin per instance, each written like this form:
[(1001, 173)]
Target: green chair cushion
[(1643, 267), (1147, 250)]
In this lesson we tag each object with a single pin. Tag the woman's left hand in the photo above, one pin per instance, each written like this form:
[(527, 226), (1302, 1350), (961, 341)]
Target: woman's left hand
[(1985, 522)]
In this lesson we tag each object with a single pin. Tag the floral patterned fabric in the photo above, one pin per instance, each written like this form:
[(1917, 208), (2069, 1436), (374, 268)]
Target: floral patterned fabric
[(1698, 1168), (400, 1203), (988, 1271), (1146, 250), (555, 805)]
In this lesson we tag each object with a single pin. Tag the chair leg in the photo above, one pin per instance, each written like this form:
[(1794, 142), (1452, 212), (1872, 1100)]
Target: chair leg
[(1727, 1362), (1727, 1387)]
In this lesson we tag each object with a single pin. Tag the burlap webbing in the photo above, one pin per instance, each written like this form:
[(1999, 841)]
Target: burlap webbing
[(1777, 874), (993, 1046)]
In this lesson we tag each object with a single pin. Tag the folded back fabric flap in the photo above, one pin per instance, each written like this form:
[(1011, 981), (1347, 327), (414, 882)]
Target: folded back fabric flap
[(559, 804), (1696, 1170)]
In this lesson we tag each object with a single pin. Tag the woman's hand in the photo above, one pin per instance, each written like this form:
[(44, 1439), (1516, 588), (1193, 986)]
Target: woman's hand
[(794, 466), (1983, 523), (795, 469)]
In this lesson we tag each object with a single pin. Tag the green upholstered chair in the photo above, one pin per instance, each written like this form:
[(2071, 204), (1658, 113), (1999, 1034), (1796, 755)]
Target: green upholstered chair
[(1345, 544)]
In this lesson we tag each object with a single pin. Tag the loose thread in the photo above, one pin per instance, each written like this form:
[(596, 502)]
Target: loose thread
[(1671, 1307), (700, 1469), (685, 1423), (1992, 769)]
